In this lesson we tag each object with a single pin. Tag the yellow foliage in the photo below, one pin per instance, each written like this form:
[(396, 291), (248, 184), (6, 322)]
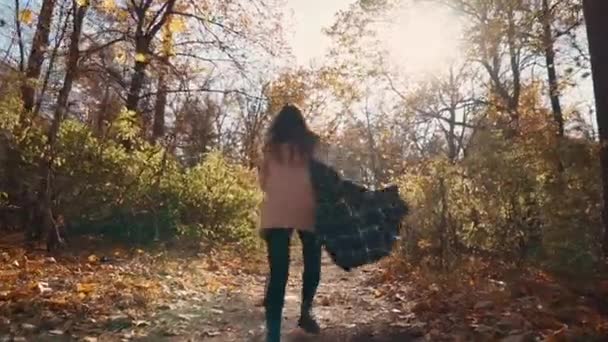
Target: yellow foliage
[(140, 57), (85, 288), (26, 16), (177, 24), (109, 5)]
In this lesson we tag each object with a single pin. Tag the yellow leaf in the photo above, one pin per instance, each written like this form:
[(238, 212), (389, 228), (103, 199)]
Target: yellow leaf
[(93, 258), (177, 25), (109, 5), (121, 57), (140, 57), (26, 16), (82, 3)]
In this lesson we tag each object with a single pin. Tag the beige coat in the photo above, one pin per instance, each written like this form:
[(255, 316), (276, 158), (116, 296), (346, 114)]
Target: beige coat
[(289, 200)]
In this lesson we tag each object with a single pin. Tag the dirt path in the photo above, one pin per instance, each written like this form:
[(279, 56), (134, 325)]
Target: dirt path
[(115, 296), (347, 306)]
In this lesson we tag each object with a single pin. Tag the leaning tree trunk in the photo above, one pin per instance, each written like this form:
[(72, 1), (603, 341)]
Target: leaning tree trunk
[(596, 12), (549, 49), (40, 45), (46, 186), (158, 127)]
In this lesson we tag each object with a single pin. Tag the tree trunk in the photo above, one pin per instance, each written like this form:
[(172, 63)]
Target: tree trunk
[(549, 47), (40, 44), (53, 236), (514, 58), (373, 152), (137, 82), (596, 12), (158, 127)]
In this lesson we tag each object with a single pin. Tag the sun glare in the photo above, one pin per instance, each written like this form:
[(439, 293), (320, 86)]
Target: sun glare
[(423, 38)]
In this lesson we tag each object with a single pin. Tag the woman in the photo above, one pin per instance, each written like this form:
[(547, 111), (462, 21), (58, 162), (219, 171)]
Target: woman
[(289, 204)]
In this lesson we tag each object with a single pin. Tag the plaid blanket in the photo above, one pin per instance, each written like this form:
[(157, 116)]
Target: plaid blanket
[(357, 226)]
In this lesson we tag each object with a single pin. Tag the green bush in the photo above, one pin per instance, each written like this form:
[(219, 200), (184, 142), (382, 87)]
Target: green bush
[(138, 194), (529, 199), (219, 201)]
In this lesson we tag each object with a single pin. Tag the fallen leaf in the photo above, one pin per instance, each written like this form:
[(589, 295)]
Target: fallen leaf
[(518, 338), (212, 333), (28, 327), (141, 323), (85, 288), (484, 305), (43, 287)]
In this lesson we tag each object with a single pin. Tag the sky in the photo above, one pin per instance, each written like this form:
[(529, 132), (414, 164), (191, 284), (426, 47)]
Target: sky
[(309, 18), (412, 50)]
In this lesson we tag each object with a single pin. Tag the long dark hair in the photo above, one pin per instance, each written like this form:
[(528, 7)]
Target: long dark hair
[(289, 128)]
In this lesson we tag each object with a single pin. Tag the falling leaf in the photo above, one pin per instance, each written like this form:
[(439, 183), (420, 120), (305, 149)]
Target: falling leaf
[(140, 57), (26, 16), (108, 5), (56, 332), (82, 3), (177, 25), (93, 258), (121, 57)]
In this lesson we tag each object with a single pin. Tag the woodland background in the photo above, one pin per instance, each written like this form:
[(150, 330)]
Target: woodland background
[(140, 122)]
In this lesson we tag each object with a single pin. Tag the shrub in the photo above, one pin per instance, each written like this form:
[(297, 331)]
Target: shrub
[(138, 194), (527, 199), (219, 201)]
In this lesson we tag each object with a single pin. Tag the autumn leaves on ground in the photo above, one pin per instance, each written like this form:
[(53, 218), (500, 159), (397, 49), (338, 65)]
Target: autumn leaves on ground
[(110, 293)]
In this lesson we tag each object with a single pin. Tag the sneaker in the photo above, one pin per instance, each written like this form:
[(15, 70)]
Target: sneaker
[(309, 325)]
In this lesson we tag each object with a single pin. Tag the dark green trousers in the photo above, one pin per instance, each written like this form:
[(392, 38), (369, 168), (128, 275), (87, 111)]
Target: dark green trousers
[(277, 244)]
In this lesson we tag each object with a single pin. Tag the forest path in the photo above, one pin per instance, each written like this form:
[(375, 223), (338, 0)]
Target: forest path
[(348, 306)]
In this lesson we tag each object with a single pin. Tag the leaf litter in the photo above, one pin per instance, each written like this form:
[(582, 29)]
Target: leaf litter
[(131, 295)]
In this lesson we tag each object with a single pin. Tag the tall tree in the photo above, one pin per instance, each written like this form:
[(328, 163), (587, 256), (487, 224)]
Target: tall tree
[(35, 59), (596, 12), (45, 205), (549, 47), (558, 22), (148, 23)]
